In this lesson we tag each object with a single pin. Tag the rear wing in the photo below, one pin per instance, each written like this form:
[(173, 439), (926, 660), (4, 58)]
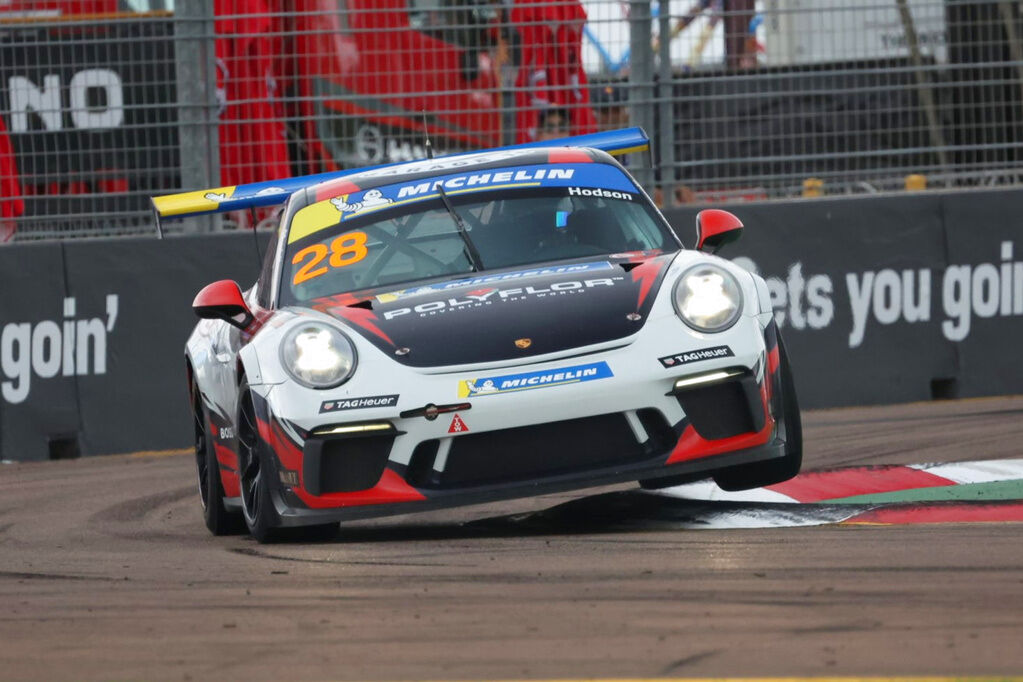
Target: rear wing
[(274, 192)]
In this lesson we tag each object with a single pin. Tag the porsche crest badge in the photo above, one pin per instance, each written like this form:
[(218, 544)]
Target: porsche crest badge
[(523, 343)]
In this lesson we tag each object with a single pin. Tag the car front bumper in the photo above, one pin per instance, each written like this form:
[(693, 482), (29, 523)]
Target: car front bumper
[(630, 423)]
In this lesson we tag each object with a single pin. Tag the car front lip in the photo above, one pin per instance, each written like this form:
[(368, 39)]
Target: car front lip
[(293, 513)]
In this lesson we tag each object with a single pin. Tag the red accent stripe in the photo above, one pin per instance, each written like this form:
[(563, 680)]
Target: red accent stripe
[(287, 451), (335, 188), (773, 360), (646, 274), (362, 318), (232, 486), (226, 456), (325, 303), (994, 512), (816, 486), (391, 488), (568, 156), (264, 430), (692, 446)]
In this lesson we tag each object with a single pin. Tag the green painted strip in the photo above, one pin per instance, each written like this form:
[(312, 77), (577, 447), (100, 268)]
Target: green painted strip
[(969, 492)]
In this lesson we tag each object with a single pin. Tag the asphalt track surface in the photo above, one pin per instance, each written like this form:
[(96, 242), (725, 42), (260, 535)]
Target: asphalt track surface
[(107, 573)]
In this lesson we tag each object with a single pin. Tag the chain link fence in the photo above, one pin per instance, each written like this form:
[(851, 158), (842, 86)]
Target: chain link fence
[(106, 102)]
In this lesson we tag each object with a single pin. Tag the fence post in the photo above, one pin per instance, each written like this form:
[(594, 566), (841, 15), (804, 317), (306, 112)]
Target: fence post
[(641, 81), (196, 74), (924, 89), (666, 161)]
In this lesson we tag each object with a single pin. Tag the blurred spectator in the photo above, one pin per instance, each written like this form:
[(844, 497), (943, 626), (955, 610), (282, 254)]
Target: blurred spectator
[(553, 123), (551, 74), (252, 133), (681, 194), (11, 204), (610, 104)]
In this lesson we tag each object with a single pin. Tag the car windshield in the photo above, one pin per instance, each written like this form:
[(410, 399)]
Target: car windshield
[(381, 242)]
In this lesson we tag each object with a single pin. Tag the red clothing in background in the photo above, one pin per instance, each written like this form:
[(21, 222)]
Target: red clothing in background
[(253, 146), (62, 7), (11, 205), (551, 75)]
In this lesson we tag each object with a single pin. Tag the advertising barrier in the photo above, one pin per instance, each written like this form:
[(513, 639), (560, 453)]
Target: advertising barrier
[(880, 300), (92, 337), (890, 299)]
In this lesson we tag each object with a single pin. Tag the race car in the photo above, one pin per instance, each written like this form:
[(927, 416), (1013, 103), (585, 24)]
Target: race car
[(479, 327)]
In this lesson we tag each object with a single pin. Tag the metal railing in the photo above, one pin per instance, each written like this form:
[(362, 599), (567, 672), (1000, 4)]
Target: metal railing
[(104, 103)]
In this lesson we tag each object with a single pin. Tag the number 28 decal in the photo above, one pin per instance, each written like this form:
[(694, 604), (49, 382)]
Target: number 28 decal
[(348, 249)]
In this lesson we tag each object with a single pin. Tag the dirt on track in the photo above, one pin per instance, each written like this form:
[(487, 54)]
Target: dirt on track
[(106, 572)]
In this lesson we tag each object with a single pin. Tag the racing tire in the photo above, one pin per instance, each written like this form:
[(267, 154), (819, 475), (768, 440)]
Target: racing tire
[(254, 471), (790, 428), (215, 514)]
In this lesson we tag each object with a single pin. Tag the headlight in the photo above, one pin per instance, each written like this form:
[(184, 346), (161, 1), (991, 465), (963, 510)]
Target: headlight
[(317, 355), (708, 298)]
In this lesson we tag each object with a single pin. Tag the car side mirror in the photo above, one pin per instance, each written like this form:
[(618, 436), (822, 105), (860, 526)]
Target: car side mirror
[(223, 301), (715, 228)]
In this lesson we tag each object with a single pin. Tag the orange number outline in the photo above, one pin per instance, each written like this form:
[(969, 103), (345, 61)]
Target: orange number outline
[(357, 249), (345, 250), (306, 272)]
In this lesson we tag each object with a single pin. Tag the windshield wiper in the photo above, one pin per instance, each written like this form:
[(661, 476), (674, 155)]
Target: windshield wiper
[(470, 249)]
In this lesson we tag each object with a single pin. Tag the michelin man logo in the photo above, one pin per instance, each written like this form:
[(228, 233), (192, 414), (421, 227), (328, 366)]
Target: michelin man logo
[(371, 199), (486, 387)]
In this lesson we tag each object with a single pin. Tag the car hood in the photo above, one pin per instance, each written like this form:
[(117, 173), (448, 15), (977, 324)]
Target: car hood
[(506, 314)]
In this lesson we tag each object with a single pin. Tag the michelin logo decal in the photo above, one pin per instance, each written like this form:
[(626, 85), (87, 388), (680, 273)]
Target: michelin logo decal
[(527, 175), (476, 388), (373, 198)]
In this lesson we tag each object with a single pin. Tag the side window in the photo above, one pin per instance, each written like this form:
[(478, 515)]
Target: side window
[(145, 5), (264, 287), (457, 22)]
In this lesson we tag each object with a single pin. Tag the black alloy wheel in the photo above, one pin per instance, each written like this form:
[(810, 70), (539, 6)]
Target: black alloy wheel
[(257, 508), (256, 476), (215, 514)]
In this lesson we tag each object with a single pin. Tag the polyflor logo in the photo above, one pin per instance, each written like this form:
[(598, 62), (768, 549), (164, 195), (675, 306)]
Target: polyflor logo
[(497, 278), (487, 295), (50, 347)]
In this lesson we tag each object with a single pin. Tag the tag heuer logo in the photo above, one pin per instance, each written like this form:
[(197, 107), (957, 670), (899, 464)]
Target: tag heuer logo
[(696, 355), (523, 343), (359, 403)]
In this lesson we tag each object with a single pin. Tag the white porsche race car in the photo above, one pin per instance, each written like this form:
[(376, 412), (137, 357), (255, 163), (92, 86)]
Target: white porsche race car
[(479, 327)]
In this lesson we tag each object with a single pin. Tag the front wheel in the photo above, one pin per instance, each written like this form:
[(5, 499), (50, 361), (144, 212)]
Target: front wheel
[(790, 428), (257, 507), (256, 475), (218, 519)]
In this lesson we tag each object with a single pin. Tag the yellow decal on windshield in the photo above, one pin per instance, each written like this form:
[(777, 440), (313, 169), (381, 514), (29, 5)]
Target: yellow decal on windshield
[(312, 219)]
